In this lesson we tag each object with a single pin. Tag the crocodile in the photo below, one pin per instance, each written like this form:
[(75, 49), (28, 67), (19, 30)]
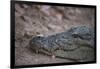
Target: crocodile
[(76, 44)]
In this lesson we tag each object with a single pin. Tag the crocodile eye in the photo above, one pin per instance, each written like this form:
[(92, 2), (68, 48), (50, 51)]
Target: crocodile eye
[(75, 35)]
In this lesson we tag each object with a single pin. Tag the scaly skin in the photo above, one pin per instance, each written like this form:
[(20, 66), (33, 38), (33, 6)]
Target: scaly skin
[(75, 44)]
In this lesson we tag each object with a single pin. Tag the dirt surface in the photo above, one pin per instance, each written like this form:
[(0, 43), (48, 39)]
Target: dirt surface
[(28, 57), (34, 20)]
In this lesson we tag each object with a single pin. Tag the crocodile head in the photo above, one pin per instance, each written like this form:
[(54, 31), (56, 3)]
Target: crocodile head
[(79, 36)]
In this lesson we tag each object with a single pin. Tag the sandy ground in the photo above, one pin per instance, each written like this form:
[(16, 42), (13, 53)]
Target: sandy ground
[(33, 20)]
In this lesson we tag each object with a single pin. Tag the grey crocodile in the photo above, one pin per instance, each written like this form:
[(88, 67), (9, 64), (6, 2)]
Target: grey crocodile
[(76, 44)]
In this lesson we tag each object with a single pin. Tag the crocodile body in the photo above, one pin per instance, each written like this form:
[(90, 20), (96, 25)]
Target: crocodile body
[(77, 43)]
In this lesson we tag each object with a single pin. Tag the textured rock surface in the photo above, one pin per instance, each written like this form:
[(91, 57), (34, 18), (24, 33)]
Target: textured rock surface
[(33, 20)]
